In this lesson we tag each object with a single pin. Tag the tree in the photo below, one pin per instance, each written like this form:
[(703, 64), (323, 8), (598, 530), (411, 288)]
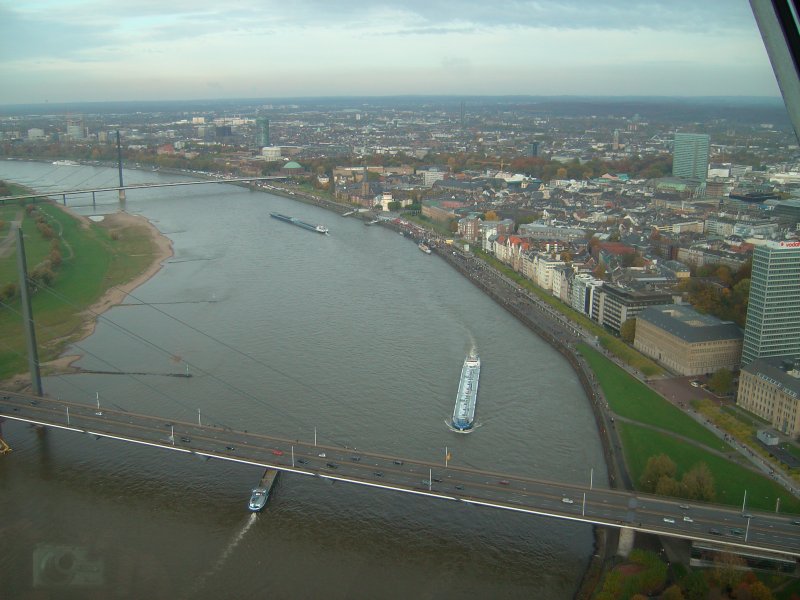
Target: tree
[(673, 592), (695, 586), (759, 591), (728, 569), (599, 271), (491, 216), (698, 483), (627, 331), (658, 467), (721, 382), (9, 291)]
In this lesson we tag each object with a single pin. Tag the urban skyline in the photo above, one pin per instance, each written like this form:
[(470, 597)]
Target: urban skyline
[(144, 51)]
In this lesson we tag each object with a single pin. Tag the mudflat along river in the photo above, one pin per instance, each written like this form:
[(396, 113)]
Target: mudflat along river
[(357, 334)]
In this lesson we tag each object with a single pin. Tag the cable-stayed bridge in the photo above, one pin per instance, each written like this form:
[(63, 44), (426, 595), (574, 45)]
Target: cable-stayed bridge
[(720, 526)]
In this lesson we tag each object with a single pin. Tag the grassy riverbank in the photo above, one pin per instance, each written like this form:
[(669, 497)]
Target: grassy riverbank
[(95, 257), (650, 425)]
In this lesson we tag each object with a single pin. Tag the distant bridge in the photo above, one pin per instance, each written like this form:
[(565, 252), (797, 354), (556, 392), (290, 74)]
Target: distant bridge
[(712, 525), (135, 186)]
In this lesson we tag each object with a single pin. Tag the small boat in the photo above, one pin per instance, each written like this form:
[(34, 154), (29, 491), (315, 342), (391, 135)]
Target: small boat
[(372, 222), (258, 499), (65, 163), (424, 247)]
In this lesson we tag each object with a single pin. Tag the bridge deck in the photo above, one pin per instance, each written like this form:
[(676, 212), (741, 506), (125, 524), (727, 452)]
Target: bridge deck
[(651, 514)]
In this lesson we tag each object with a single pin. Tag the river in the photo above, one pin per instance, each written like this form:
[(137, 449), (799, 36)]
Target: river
[(357, 334)]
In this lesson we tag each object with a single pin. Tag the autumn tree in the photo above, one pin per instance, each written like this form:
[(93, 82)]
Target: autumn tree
[(698, 483), (673, 592), (491, 216), (728, 570), (627, 331), (658, 467)]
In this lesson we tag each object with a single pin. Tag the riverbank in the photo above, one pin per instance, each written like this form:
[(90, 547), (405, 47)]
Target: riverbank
[(133, 250)]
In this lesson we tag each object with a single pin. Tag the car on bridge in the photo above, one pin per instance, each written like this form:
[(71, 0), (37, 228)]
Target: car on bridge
[(669, 520), (566, 500), (277, 452)]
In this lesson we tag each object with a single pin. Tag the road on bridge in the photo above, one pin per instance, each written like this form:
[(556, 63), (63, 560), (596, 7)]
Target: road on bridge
[(660, 515)]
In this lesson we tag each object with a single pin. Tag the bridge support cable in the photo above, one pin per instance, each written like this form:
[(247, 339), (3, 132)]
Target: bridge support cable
[(117, 369)]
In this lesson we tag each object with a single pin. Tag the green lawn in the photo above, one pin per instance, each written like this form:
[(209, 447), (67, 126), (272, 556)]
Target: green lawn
[(731, 480), (630, 398), (92, 262)]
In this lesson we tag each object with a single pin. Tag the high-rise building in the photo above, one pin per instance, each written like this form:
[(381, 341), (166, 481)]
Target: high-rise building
[(773, 311), (533, 149), (262, 132), (690, 156)]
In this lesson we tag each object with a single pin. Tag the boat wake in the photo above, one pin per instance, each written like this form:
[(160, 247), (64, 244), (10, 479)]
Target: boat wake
[(223, 558)]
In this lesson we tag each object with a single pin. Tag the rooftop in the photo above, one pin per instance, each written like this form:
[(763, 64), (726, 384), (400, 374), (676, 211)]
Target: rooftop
[(689, 325)]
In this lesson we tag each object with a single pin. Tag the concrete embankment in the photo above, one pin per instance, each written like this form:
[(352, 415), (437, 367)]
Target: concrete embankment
[(534, 316)]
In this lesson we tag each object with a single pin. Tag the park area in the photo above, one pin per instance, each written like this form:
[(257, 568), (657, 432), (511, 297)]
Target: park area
[(650, 426)]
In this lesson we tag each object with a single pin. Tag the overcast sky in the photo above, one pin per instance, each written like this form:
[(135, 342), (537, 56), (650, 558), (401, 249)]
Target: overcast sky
[(95, 50)]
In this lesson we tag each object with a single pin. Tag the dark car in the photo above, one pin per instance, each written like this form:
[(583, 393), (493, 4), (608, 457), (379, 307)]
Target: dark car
[(355, 458), (331, 465), (714, 531), (302, 461), (398, 462), (378, 473), (185, 439)]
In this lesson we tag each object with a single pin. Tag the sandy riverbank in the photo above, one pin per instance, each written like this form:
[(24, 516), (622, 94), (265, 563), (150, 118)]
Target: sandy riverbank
[(161, 251)]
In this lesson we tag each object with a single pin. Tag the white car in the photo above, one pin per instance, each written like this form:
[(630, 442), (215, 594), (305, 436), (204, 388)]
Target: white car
[(566, 500), (688, 519), (322, 455), (669, 520)]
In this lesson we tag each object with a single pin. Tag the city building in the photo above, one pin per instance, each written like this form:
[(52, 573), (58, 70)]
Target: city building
[(469, 228), (613, 305), (271, 153), (690, 156), (686, 341), (584, 286), (262, 132), (770, 388), (773, 310)]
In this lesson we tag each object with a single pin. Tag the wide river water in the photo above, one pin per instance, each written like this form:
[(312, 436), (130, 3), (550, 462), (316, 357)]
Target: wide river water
[(357, 334)]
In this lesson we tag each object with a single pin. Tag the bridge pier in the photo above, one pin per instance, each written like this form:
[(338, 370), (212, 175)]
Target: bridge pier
[(626, 539)]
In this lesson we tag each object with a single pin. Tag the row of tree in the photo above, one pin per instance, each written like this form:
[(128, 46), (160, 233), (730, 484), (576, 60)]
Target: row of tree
[(719, 291), (659, 477)]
